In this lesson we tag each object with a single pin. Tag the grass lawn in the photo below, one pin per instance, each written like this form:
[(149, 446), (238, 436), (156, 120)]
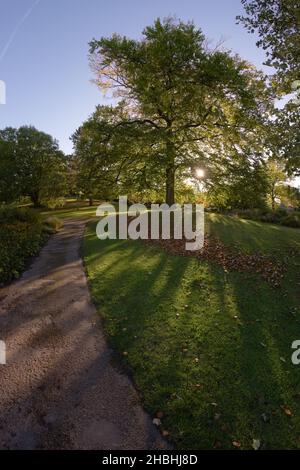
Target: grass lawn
[(208, 348), (70, 212)]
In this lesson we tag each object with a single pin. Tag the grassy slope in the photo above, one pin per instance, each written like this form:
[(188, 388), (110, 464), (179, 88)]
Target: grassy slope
[(210, 349), (250, 235), (71, 212)]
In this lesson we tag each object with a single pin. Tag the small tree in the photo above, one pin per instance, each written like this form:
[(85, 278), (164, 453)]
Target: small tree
[(276, 181)]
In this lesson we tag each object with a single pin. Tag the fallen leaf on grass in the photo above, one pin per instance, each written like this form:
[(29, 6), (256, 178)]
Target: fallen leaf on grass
[(286, 410), (236, 444), (198, 386), (270, 269)]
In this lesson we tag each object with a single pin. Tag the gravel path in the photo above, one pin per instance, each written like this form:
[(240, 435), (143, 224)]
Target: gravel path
[(59, 389)]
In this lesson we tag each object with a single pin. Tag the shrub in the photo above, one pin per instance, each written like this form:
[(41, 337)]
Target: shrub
[(52, 224), (280, 216), (15, 214), (291, 220), (253, 214), (21, 236), (54, 203)]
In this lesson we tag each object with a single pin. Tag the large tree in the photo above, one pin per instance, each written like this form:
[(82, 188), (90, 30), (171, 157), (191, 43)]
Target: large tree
[(110, 158), (188, 101), (32, 163), (9, 184), (277, 23)]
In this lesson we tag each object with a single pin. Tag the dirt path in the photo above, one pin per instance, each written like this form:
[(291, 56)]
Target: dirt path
[(59, 388)]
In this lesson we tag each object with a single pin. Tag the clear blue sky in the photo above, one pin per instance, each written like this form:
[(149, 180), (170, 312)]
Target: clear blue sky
[(43, 52)]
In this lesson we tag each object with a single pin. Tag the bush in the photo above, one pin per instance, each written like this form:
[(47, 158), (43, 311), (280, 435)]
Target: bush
[(54, 203), (21, 236), (253, 214), (15, 214), (279, 216), (291, 220), (52, 225)]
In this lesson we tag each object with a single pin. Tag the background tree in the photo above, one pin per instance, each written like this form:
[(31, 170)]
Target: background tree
[(186, 99), (9, 184), (286, 137), (34, 163), (240, 182), (278, 25), (276, 181)]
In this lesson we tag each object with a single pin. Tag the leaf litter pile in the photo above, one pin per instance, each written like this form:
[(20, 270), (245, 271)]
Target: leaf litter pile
[(230, 259)]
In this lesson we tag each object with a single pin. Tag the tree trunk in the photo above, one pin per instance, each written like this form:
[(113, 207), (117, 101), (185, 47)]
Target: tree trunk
[(170, 185), (170, 169), (91, 201), (35, 200), (273, 197)]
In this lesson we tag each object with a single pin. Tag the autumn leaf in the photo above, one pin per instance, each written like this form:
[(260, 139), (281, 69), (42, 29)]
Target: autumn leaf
[(236, 444), (286, 410)]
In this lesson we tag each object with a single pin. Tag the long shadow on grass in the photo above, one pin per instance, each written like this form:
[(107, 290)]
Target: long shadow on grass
[(270, 382), (205, 347)]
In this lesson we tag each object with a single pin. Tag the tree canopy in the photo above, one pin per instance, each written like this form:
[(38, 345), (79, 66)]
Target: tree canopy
[(277, 23), (31, 164), (187, 104)]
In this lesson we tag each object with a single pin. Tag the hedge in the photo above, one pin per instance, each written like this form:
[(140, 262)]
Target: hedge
[(21, 236)]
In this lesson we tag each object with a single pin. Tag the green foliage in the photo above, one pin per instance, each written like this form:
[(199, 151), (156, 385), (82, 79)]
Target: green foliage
[(21, 236), (286, 137), (276, 181), (14, 214), (52, 224), (291, 220), (9, 187), (53, 203), (278, 216), (31, 164), (239, 184), (278, 25), (106, 157), (187, 105)]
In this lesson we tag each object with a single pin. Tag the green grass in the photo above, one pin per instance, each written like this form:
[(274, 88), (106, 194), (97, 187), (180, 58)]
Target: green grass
[(71, 212), (210, 349), (250, 235)]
